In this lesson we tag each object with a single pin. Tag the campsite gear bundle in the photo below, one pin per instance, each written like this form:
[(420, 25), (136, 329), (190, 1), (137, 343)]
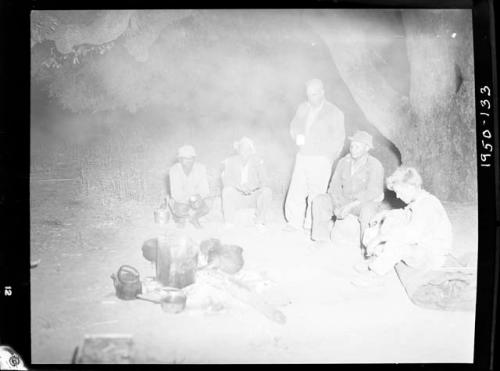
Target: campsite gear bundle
[(127, 282)]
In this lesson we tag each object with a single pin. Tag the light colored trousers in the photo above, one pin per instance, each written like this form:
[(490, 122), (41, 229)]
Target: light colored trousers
[(232, 200), (310, 178), (413, 255), (323, 210)]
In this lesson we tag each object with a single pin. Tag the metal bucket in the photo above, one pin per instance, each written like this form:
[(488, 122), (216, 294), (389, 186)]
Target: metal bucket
[(161, 216)]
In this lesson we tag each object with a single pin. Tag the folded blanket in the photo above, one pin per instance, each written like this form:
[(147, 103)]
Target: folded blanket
[(451, 288)]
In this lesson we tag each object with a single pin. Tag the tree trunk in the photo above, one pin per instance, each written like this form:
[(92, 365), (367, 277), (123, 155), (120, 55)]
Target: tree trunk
[(434, 129), (352, 51), (441, 138)]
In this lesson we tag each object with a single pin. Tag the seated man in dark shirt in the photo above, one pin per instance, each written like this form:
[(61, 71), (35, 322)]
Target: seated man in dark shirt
[(356, 188)]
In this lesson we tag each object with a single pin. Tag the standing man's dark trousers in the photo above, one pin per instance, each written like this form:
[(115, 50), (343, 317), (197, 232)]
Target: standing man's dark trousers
[(323, 212), (183, 212)]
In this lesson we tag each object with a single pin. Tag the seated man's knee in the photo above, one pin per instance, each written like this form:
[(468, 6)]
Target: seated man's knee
[(321, 201), (368, 211), (180, 209)]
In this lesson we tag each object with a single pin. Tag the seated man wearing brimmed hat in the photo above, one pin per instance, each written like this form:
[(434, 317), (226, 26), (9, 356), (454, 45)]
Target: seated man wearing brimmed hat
[(188, 188), (356, 188), (244, 184)]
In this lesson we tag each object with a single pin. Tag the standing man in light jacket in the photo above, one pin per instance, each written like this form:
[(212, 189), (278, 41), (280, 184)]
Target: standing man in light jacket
[(318, 130)]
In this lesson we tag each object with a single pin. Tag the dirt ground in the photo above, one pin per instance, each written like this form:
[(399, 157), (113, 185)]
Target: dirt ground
[(81, 242)]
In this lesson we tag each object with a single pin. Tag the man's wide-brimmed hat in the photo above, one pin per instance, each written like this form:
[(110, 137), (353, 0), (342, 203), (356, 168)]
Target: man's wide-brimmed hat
[(186, 152), (362, 137)]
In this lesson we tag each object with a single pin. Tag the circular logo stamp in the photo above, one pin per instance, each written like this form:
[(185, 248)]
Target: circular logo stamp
[(14, 360)]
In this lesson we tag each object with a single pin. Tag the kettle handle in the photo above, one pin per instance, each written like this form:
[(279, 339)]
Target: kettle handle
[(129, 268)]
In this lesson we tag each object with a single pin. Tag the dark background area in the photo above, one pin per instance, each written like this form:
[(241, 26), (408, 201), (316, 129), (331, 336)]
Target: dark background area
[(54, 119), (124, 89)]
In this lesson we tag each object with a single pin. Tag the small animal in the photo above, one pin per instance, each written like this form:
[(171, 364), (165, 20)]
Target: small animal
[(10, 360)]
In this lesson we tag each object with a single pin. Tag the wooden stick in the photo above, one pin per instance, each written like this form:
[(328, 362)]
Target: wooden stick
[(241, 292)]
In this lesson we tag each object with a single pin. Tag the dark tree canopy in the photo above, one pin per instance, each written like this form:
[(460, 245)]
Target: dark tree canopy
[(408, 73)]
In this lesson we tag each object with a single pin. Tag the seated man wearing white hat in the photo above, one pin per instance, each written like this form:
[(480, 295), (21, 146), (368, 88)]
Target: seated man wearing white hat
[(244, 184), (188, 188), (356, 188)]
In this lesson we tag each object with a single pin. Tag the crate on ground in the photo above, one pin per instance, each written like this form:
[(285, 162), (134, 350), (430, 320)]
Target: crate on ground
[(105, 348)]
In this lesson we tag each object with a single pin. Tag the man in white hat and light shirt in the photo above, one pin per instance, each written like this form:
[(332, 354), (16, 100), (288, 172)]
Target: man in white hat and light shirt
[(188, 188), (356, 188), (318, 131)]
